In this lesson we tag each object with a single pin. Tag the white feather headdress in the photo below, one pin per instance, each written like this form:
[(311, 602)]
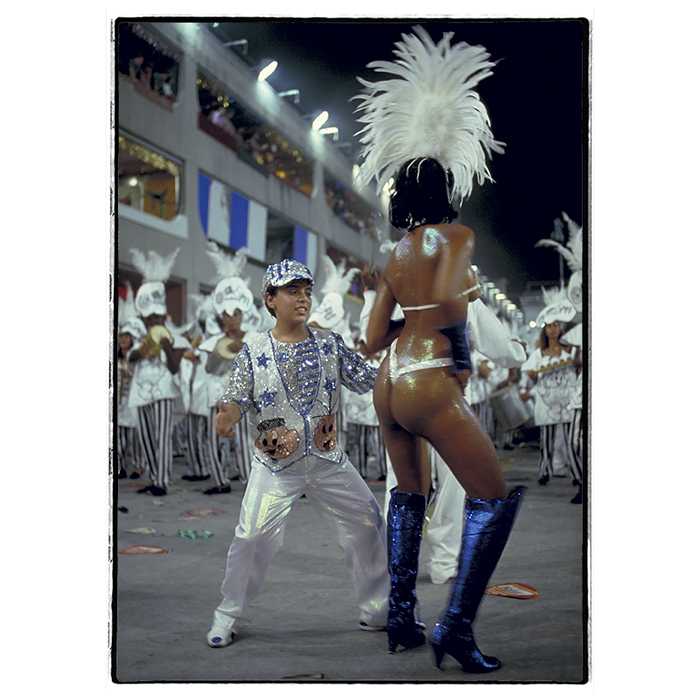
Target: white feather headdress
[(554, 295), (573, 252), (153, 267), (427, 108), (338, 279), (126, 308), (227, 265)]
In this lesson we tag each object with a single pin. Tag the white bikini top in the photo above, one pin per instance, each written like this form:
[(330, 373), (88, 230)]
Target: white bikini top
[(434, 306)]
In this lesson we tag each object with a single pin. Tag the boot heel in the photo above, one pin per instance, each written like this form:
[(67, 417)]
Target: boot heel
[(438, 654)]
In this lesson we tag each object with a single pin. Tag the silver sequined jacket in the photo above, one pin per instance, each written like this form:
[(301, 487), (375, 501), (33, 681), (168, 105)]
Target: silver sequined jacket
[(294, 389)]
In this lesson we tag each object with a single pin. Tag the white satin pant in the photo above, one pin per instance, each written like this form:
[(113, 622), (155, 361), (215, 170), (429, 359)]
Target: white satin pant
[(442, 533), (340, 493)]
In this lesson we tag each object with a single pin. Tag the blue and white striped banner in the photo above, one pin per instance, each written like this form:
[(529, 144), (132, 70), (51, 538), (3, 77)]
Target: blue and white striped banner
[(232, 219), (305, 248)]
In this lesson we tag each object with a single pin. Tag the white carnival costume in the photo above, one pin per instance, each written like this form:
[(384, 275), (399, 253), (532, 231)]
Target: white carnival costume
[(153, 388), (553, 388), (291, 392), (231, 293), (330, 314), (129, 448), (573, 254), (194, 385)]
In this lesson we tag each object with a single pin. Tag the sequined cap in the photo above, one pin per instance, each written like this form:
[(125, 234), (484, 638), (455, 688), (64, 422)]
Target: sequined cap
[(284, 272)]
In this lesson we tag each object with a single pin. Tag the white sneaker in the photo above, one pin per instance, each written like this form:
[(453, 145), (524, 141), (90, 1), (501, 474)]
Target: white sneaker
[(222, 630)]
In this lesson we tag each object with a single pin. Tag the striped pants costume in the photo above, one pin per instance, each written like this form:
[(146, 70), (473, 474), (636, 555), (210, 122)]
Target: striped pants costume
[(198, 445), (483, 413), (369, 441), (156, 436), (574, 441), (554, 452), (242, 450), (129, 452)]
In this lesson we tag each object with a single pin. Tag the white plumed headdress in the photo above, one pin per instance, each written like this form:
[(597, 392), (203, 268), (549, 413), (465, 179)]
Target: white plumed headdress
[(338, 278), (428, 107), (557, 307), (231, 291), (150, 298), (573, 254), (330, 313), (127, 317)]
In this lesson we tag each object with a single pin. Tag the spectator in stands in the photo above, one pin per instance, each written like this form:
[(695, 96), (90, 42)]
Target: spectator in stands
[(136, 66)]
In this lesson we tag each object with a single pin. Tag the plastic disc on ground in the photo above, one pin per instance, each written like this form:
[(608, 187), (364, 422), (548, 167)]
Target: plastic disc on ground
[(198, 513), (519, 591), (142, 549)]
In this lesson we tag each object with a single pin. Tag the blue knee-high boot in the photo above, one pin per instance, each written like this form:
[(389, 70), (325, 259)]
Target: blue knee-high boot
[(404, 529), (487, 525)]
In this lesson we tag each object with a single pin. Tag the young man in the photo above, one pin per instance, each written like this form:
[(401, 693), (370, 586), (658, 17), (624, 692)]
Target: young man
[(288, 380), (157, 361)]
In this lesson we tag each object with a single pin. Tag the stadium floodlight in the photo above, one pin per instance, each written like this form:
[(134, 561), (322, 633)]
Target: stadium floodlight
[(243, 43), (267, 71), (330, 131), (294, 94), (320, 120)]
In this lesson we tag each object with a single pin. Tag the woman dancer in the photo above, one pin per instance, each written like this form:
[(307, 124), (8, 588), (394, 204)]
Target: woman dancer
[(428, 128), (552, 368)]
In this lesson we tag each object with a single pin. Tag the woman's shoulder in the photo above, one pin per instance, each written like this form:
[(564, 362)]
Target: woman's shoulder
[(457, 234), (455, 229)]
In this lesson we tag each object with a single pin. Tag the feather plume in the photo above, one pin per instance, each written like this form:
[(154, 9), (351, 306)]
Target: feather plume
[(226, 265), (428, 107), (126, 308), (573, 252), (338, 279), (553, 296), (153, 267)]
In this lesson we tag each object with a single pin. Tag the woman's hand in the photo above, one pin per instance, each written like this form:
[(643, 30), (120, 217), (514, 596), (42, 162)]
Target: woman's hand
[(463, 377), (370, 277)]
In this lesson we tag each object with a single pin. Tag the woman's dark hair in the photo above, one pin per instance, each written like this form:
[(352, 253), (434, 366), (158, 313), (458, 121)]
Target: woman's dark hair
[(421, 195), (544, 340)]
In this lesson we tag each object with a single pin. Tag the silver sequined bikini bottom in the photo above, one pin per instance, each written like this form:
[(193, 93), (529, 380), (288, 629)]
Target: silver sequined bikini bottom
[(395, 371)]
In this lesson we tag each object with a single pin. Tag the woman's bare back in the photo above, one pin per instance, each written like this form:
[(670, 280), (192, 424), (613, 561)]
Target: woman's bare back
[(411, 275)]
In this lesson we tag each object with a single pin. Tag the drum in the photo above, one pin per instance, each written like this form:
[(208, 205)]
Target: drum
[(509, 409)]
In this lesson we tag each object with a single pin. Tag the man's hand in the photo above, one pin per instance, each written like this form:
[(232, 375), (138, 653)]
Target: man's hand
[(235, 345), (227, 416)]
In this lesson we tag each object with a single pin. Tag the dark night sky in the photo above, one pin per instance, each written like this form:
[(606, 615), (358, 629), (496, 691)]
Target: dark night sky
[(535, 98)]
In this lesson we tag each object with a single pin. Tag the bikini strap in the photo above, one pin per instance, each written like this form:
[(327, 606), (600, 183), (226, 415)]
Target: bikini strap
[(434, 306)]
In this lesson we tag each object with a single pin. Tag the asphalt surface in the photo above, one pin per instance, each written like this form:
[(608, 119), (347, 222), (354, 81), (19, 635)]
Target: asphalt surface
[(303, 625)]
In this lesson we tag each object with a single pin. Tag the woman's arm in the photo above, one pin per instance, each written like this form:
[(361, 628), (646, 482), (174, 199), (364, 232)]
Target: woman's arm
[(455, 260), (381, 330)]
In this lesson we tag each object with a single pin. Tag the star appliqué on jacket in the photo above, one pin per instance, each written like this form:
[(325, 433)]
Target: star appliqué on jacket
[(267, 398), (262, 360), (327, 347)]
